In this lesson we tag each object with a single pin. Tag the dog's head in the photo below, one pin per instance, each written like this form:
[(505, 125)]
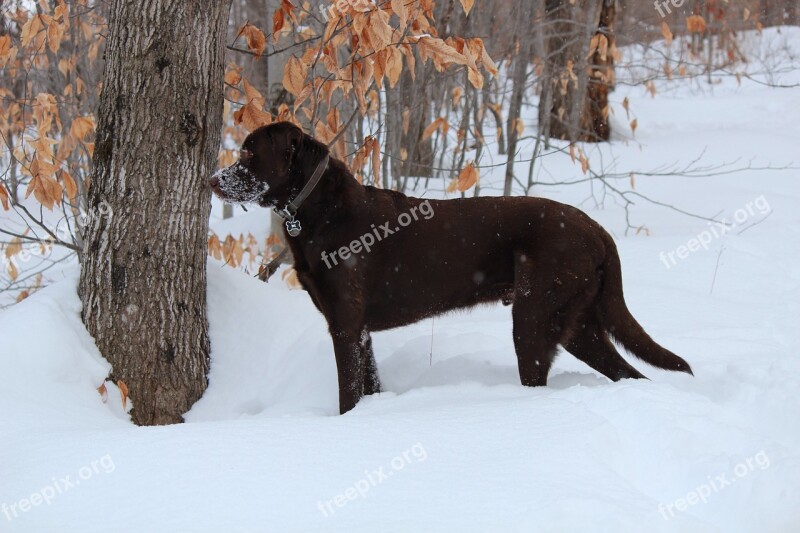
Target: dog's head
[(269, 163)]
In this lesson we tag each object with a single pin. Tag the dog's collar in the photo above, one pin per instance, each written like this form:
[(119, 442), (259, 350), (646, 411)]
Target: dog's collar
[(289, 211)]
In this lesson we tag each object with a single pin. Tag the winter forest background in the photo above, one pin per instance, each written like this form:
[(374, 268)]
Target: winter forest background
[(129, 302)]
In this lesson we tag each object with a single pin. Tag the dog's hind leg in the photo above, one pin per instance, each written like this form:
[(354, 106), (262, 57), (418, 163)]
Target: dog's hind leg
[(590, 343), (534, 313), (372, 382)]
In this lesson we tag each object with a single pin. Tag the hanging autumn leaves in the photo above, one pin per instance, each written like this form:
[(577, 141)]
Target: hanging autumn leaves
[(380, 40), (45, 150), (48, 54)]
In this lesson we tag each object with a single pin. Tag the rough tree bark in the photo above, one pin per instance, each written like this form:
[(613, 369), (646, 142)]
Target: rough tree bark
[(576, 89), (595, 125), (143, 277)]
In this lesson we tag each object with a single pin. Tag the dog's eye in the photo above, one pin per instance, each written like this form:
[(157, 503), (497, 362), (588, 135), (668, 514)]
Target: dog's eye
[(245, 155)]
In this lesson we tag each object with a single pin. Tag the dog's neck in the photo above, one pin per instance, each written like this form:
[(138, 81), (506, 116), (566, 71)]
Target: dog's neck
[(304, 162), (336, 187), (335, 190)]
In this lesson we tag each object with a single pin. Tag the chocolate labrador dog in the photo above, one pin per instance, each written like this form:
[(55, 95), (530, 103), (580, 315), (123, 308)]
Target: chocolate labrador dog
[(373, 259)]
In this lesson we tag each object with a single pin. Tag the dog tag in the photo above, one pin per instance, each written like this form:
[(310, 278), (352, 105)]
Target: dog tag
[(293, 227)]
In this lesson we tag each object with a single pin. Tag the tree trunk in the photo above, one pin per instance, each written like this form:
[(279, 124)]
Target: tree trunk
[(594, 121), (143, 277), (577, 92), (522, 41)]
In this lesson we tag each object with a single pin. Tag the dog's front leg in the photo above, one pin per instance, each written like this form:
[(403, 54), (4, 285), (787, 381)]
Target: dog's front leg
[(349, 350), (372, 383)]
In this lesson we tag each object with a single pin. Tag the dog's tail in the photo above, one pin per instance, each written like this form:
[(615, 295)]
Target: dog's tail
[(617, 320)]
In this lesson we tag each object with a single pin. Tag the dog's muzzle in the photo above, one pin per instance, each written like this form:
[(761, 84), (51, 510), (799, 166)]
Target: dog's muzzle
[(237, 184)]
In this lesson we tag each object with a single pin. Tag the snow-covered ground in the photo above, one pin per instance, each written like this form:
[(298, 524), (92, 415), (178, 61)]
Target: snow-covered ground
[(455, 443)]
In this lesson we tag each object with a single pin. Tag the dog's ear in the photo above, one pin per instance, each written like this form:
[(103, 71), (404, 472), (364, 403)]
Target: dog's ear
[(294, 139)]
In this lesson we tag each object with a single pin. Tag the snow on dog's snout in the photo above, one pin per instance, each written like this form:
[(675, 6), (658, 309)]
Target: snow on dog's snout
[(237, 184)]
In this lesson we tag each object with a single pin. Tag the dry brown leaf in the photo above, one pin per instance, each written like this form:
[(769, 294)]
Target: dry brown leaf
[(294, 75), (394, 65), (626, 106), (30, 29), (214, 247), (666, 32), (45, 189), (278, 23), (70, 187), (634, 125), (123, 392), (361, 154), (256, 40), (233, 76), (14, 247), (288, 8), (399, 8), (519, 127), (411, 59), (55, 32), (232, 252), (432, 127), (457, 93), (584, 161), (468, 177), (252, 117), (379, 67), (11, 268), (602, 47), (593, 43), (253, 95), (467, 5), (5, 47), (61, 11), (442, 53), (376, 163), (475, 77), (379, 27), (4, 198), (81, 127), (103, 392), (303, 96), (695, 24)]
